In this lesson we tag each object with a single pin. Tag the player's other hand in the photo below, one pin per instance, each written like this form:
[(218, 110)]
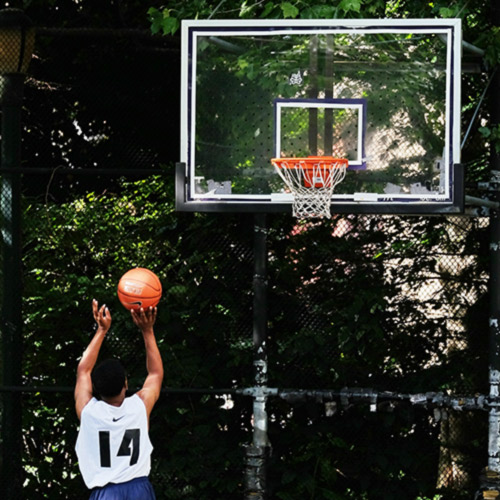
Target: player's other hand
[(102, 316)]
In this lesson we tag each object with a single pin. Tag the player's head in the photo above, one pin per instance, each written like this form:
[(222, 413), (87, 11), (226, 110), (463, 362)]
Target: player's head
[(109, 378)]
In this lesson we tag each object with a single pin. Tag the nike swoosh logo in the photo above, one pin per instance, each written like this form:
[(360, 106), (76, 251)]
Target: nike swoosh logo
[(138, 303), (116, 419)]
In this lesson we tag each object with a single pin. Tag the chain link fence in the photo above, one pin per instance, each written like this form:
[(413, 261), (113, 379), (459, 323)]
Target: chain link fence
[(395, 305)]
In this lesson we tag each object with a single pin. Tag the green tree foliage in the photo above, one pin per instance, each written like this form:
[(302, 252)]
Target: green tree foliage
[(327, 329), (78, 251)]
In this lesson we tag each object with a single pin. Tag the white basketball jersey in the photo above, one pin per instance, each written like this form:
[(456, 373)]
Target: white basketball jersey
[(113, 443)]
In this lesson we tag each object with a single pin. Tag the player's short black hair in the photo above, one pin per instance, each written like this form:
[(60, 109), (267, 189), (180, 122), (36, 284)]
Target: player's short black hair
[(108, 378)]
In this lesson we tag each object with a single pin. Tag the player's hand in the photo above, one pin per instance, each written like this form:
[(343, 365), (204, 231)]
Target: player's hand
[(144, 318), (102, 316)]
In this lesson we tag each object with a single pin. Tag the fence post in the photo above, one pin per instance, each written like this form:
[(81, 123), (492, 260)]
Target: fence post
[(256, 453), (17, 39), (11, 315), (492, 477)]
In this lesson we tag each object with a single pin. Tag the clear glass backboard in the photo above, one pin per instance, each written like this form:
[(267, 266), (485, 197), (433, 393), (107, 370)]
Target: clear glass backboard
[(383, 94)]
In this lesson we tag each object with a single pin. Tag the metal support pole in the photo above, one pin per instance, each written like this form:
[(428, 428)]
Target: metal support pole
[(493, 470), (312, 93), (256, 453), (328, 123), (11, 477)]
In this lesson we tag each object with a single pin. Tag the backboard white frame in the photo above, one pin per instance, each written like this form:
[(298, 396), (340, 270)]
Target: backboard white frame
[(448, 201)]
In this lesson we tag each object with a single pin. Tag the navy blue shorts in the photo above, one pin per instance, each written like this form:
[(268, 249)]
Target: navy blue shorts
[(137, 489)]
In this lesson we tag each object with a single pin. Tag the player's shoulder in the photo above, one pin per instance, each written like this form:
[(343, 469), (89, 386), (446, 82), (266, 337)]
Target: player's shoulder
[(138, 398), (89, 405), (135, 401)]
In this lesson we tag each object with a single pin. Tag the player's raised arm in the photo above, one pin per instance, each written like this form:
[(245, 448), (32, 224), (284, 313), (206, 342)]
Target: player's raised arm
[(83, 387), (150, 392)]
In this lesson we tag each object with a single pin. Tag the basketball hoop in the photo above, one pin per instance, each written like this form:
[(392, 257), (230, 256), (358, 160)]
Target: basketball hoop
[(311, 181)]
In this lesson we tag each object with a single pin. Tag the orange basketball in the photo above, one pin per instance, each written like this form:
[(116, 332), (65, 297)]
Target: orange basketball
[(138, 288)]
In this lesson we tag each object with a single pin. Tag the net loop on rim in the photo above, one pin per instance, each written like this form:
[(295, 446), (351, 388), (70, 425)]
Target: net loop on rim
[(312, 181)]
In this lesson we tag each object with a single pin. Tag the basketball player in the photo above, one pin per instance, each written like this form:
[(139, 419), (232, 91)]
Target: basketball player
[(113, 446)]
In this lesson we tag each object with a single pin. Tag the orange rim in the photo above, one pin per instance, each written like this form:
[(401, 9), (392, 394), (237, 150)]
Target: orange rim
[(309, 162)]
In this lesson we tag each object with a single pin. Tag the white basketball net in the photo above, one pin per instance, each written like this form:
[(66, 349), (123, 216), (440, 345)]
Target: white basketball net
[(311, 182)]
